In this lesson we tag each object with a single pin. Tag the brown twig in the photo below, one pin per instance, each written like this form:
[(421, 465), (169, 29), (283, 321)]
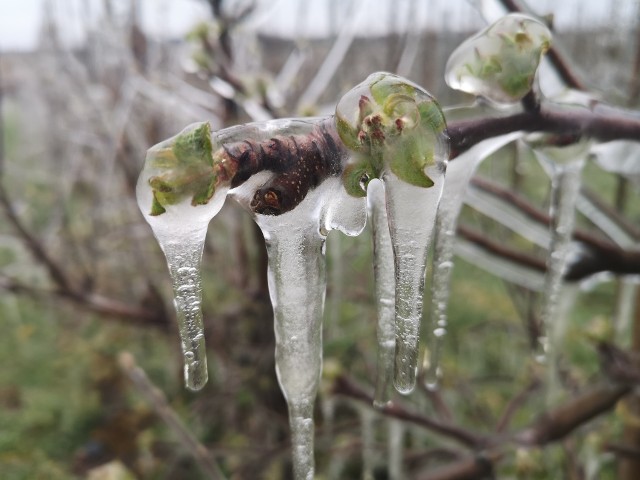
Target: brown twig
[(603, 256), (561, 421), (500, 249), (34, 246), (159, 403), (99, 304), (613, 213), (472, 467), (346, 387), (515, 403), (603, 126), (551, 426), (622, 450)]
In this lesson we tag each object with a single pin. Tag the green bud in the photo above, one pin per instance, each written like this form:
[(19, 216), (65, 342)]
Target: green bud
[(184, 168), (392, 124)]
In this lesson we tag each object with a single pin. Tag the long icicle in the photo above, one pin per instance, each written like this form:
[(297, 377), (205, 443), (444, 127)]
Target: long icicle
[(412, 213), (385, 292), (184, 257), (565, 189), (297, 286), (459, 173)]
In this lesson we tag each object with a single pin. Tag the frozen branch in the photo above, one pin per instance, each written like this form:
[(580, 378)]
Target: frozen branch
[(603, 255), (603, 126)]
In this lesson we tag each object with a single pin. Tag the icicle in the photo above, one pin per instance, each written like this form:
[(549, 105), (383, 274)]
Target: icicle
[(396, 449), (385, 292), (625, 308), (500, 62), (459, 172), (295, 241), (619, 156), (564, 165), (397, 132), (412, 214), (177, 179), (367, 435)]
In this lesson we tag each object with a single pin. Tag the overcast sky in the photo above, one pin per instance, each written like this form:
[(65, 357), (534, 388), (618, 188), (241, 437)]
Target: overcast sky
[(20, 19)]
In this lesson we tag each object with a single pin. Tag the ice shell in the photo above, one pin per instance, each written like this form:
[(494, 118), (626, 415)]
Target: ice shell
[(500, 62), (388, 121)]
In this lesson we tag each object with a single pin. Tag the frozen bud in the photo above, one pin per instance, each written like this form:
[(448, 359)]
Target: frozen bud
[(390, 122), (500, 62), (182, 169)]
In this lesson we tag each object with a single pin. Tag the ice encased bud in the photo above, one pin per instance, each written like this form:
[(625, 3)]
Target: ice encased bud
[(181, 172), (389, 122), (180, 189), (500, 62)]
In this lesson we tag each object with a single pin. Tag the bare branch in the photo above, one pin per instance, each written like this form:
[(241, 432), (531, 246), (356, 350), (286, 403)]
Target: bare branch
[(156, 398), (94, 303), (346, 387), (561, 421), (603, 126), (514, 405)]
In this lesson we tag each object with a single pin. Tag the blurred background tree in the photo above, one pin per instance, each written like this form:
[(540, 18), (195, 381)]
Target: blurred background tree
[(82, 280)]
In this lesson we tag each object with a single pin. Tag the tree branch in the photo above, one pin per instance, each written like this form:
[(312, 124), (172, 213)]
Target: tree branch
[(347, 388), (92, 302), (603, 126), (159, 403), (549, 427), (603, 255), (561, 421)]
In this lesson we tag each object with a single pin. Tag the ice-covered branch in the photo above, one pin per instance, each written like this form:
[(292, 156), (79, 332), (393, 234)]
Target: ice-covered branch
[(600, 125), (601, 254)]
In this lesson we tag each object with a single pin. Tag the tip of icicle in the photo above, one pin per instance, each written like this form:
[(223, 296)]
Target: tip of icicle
[(404, 388)]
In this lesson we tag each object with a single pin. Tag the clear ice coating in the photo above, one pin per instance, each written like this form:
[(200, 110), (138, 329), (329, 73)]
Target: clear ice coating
[(396, 448), (297, 274), (397, 132), (564, 164), (383, 269), (500, 62), (459, 173), (170, 196), (300, 179)]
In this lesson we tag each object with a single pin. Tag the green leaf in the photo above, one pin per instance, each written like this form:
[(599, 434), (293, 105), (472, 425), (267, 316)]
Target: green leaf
[(348, 134), (385, 84), (194, 147), (156, 207), (410, 162), (432, 117), (357, 176), (186, 167)]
